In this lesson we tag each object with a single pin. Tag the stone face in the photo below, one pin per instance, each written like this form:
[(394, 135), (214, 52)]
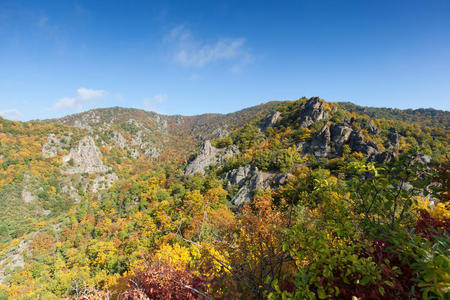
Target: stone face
[(248, 179), (119, 140), (357, 144), (245, 193), (424, 159), (146, 146), (220, 132), (238, 176), (393, 138), (340, 133), (256, 179), (55, 145), (312, 111), (207, 156), (84, 158), (371, 128), (320, 145), (103, 182), (384, 157), (270, 120)]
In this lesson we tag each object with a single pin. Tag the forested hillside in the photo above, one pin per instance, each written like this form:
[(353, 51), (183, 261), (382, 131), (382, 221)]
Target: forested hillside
[(301, 199), (424, 116)]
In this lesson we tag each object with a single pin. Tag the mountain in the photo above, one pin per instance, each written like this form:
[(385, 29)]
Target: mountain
[(89, 198)]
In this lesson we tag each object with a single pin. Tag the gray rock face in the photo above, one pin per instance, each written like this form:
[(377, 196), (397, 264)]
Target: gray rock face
[(384, 157), (27, 196), (207, 156), (255, 179), (245, 193), (357, 143), (146, 146), (103, 182), (220, 132), (55, 145), (371, 128), (238, 176), (162, 123), (119, 140), (320, 145), (84, 158), (312, 111), (270, 120), (71, 192), (393, 138), (340, 133), (424, 159)]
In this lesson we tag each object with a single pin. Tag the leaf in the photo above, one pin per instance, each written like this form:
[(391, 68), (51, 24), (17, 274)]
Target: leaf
[(365, 280), (321, 293), (381, 290)]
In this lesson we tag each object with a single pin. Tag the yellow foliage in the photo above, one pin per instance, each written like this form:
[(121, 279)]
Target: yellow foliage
[(177, 255)]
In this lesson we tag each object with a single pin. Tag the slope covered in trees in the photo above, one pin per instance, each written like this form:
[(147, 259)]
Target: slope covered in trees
[(301, 199)]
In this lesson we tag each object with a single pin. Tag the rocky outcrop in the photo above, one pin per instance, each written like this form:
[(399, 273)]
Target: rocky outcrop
[(423, 159), (254, 179), (340, 133), (207, 156), (393, 139), (248, 179), (220, 132), (384, 157), (71, 192), (55, 145), (357, 144), (320, 145), (145, 145), (119, 140), (239, 175), (313, 110), (371, 128), (84, 158), (270, 120), (102, 182), (162, 123), (27, 195), (245, 193)]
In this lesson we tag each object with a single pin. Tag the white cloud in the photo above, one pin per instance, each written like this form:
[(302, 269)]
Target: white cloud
[(190, 52), (153, 102), (84, 96), (11, 114)]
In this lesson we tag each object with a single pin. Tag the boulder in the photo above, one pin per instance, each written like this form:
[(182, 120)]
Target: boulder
[(270, 120), (340, 133), (393, 138), (384, 157), (312, 111), (208, 155), (254, 179), (245, 193), (238, 176), (357, 144), (320, 145)]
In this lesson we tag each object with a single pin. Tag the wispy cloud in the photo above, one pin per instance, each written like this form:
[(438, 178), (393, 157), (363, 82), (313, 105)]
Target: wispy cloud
[(11, 114), (190, 52), (84, 96), (154, 102)]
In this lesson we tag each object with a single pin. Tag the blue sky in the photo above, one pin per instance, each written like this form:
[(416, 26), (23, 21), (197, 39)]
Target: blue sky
[(192, 57)]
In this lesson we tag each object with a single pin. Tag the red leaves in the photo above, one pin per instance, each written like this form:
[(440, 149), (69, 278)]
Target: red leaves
[(427, 226), (163, 281)]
